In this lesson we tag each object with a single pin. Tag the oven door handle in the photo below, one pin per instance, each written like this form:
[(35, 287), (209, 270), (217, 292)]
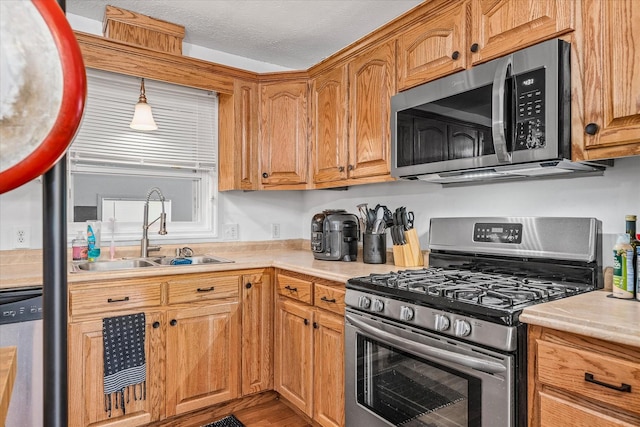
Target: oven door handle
[(423, 349)]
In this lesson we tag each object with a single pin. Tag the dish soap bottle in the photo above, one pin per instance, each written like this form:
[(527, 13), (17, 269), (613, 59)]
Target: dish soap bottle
[(79, 248), (623, 280), (93, 242)]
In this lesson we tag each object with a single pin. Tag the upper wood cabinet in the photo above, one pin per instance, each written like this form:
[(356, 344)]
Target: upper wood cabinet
[(502, 26), (329, 118), (610, 58), (284, 133), (372, 82), (238, 137), (434, 47), (475, 31)]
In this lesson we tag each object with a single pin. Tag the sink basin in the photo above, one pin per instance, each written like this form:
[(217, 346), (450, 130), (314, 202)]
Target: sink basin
[(121, 264), (133, 263), (202, 259)]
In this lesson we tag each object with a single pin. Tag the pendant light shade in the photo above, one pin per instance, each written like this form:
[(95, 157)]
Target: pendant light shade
[(142, 117)]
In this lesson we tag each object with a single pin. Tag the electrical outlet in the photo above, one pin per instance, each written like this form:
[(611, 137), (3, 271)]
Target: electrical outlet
[(275, 231), (231, 232), (21, 237)]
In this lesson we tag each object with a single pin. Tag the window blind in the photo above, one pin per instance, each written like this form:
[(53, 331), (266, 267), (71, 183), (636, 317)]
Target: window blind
[(187, 120)]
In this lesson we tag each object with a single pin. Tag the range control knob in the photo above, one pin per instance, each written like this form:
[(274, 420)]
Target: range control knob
[(461, 328), (364, 302), (377, 305), (406, 313), (442, 322)]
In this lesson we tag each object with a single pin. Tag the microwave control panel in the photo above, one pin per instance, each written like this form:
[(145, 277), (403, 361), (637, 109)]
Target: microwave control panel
[(497, 233), (530, 107)]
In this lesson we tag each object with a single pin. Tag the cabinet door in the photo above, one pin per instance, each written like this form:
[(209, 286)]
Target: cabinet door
[(611, 65), (371, 85), (257, 333), (294, 353), (328, 366), (283, 133), (329, 106), (86, 377), (503, 26), (203, 356), (238, 137), (433, 48)]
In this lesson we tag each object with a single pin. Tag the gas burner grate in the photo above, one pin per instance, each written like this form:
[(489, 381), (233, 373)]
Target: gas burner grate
[(492, 287)]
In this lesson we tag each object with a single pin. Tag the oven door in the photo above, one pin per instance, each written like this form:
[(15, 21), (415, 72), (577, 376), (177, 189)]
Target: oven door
[(399, 376)]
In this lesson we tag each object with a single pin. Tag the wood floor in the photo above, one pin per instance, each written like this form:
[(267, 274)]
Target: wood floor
[(263, 410), (270, 414)]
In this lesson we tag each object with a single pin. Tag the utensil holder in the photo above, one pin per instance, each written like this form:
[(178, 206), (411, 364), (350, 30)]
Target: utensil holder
[(374, 248)]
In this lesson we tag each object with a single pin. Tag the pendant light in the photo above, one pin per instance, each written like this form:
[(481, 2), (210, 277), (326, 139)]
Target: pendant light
[(142, 117)]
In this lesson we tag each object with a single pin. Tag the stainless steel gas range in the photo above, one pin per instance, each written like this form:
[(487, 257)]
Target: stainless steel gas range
[(442, 346)]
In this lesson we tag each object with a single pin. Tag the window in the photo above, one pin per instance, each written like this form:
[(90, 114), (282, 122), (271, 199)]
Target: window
[(112, 167)]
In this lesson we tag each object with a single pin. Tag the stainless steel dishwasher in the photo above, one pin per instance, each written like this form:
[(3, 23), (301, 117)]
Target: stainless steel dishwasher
[(21, 326)]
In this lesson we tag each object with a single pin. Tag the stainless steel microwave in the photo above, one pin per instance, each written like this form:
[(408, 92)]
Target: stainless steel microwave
[(507, 118)]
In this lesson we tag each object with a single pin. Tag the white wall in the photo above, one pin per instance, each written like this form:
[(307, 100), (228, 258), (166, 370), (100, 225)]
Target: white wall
[(608, 198)]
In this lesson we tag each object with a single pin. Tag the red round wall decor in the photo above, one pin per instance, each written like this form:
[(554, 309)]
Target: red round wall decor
[(43, 89)]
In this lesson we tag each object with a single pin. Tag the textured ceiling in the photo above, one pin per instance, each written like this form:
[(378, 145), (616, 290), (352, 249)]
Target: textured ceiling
[(291, 33)]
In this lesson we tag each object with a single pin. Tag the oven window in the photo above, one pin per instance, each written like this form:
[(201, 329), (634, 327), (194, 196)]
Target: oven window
[(408, 391)]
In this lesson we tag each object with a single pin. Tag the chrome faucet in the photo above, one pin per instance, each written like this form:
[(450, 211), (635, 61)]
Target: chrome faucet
[(144, 243)]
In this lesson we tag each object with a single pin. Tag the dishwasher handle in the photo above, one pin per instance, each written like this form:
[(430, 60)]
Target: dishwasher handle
[(423, 349)]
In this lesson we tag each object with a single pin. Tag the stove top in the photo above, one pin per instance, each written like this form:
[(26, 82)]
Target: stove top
[(482, 289)]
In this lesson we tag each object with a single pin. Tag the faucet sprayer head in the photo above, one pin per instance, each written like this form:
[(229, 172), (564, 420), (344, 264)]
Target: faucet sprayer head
[(163, 224)]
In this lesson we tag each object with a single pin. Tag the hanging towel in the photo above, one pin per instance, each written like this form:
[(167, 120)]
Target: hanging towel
[(125, 368)]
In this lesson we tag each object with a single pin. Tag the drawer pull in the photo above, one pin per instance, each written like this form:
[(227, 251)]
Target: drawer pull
[(110, 300), (624, 387), (289, 288), (325, 299), (206, 289)]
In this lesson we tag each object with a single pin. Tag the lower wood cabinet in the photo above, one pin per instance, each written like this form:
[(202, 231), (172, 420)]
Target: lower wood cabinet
[(192, 346), (580, 381), (203, 356), (309, 347), (86, 386)]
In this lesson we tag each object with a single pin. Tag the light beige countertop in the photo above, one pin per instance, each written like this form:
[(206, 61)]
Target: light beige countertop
[(593, 314), (29, 273)]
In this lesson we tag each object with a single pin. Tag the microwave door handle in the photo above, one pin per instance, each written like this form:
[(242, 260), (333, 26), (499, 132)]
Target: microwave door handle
[(423, 349), (498, 113)]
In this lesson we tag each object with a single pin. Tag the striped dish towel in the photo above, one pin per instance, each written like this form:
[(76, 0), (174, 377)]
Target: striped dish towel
[(125, 368)]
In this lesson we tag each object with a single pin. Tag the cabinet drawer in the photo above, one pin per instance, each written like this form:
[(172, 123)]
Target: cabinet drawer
[(102, 299), (566, 367), (295, 288), (329, 297), (556, 411), (202, 288)]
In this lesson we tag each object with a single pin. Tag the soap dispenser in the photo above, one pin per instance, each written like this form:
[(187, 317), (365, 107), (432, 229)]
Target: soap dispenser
[(79, 248)]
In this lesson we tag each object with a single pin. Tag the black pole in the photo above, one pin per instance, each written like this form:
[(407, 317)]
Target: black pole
[(54, 231), (54, 245)]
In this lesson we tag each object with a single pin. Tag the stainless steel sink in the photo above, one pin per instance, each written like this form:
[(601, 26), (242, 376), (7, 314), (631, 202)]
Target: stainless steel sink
[(121, 264), (134, 263), (202, 259)]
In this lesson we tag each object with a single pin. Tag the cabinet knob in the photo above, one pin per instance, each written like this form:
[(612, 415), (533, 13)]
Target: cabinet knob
[(248, 285), (306, 321), (315, 325), (173, 322), (341, 169), (591, 128), (350, 167), (265, 175), (455, 55), (156, 325), (474, 47)]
